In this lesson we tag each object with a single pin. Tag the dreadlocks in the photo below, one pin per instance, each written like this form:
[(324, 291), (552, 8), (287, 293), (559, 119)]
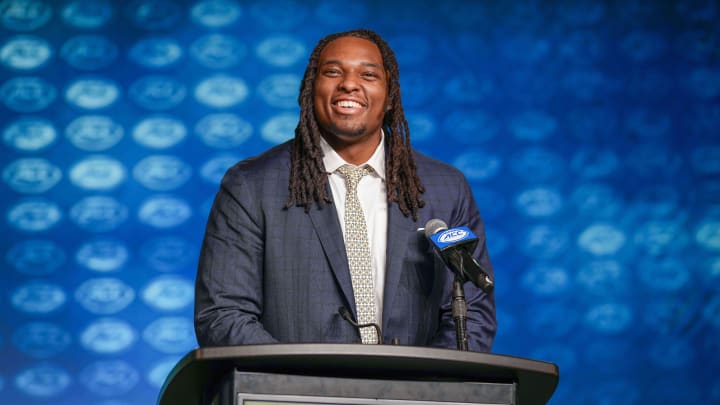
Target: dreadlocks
[(308, 180)]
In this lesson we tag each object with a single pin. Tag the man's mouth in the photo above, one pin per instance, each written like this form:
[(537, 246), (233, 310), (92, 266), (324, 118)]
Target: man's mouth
[(348, 104)]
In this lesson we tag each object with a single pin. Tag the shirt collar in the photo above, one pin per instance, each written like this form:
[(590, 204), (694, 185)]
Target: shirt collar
[(333, 161)]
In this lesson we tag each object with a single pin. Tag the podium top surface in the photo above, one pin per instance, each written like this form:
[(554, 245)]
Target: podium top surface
[(536, 379)]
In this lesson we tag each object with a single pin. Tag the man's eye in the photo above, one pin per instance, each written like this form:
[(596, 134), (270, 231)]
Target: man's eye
[(331, 72), (371, 75)]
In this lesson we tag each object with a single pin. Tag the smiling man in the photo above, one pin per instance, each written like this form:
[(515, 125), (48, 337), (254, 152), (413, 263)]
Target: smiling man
[(320, 234)]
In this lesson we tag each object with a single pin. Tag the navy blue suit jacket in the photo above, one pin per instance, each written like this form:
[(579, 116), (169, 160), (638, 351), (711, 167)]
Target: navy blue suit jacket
[(271, 274)]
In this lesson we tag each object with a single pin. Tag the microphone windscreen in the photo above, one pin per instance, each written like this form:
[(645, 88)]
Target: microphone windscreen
[(434, 226)]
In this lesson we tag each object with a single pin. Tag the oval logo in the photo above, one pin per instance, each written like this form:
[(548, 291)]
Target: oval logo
[(103, 255), (221, 91), (214, 169), (223, 131), (41, 340), (43, 381), (159, 132), (168, 253), (87, 14), (217, 51), (108, 336), (281, 51), (452, 235), (24, 15), (169, 293), (38, 297), (170, 335), (279, 128), (92, 94), (162, 173), (215, 13), (280, 90), (157, 92), (156, 52), (164, 212), (34, 215), (94, 133), (109, 378), (27, 94), (29, 134), (104, 295), (36, 257), (154, 14), (31, 175), (97, 173), (98, 213), (25, 52), (89, 52)]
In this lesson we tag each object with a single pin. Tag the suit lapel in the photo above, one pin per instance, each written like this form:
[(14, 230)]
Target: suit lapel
[(400, 230), (327, 227)]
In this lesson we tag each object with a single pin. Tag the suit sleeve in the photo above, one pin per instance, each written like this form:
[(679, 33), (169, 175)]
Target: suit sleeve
[(229, 283), (481, 321)]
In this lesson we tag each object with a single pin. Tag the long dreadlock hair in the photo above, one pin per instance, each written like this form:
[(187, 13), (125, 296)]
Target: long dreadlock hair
[(308, 179)]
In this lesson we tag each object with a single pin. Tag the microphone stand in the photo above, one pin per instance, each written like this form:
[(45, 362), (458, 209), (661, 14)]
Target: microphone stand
[(459, 309)]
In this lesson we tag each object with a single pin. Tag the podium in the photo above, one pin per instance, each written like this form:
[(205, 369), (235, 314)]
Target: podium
[(319, 374)]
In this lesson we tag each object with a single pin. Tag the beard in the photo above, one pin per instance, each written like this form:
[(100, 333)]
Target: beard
[(346, 131)]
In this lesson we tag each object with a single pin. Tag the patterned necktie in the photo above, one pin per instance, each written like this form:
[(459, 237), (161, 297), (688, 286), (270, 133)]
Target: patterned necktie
[(358, 252)]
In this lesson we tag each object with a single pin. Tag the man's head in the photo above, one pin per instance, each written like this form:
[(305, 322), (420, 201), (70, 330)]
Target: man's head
[(327, 108)]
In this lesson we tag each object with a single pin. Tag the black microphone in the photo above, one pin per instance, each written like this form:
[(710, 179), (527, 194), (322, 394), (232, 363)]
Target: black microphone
[(455, 247), (345, 313)]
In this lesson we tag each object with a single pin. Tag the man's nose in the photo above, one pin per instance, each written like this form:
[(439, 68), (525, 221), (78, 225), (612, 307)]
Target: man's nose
[(349, 82)]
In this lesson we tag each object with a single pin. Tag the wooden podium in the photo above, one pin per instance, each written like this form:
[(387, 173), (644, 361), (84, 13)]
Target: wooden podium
[(319, 374)]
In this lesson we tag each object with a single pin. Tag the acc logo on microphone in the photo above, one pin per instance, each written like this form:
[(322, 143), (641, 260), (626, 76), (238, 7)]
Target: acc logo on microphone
[(452, 235)]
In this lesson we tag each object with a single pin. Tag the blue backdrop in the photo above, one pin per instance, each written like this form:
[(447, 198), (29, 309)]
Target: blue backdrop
[(589, 131)]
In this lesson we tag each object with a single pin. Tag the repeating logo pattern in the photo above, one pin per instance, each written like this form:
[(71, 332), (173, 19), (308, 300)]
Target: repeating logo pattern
[(587, 129)]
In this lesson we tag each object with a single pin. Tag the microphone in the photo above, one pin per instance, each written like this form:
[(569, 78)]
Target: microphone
[(348, 317), (455, 247)]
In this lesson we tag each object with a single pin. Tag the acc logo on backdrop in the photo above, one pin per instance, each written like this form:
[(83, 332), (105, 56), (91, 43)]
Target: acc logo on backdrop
[(666, 275), (417, 88), (97, 173), (279, 128), (27, 94), (41, 339), (546, 279), (539, 202), (215, 13), (221, 91), (89, 52), (475, 121), (37, 297), (170, 335), (157, 92), (478, 165), (281, 15), (223, 130), (36, 257), (29, 134), (98, 213), (217, 51), (536, 164), (25, 52), (94, 132), (612, 317), (168, 293), (164, 212), (280, 90), (281, 51), (591, 162), (92, 93), (31, 175), (601, 239), (43, 381), (533, 125), (108, 335), (154, 14), (156, 52), (159, 132), (543, 320), (706, 159), (102, 255), (544, 241), (214, 169), (596, 200), (87, 14), (34, 215), (24, 15), (422, 126), (104, 295), (162, 172), (168, 253), (110, 377), (603, 278), (159, 372)]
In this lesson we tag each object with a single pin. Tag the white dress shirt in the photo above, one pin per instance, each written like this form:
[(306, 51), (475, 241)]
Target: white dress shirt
[(372, 193)]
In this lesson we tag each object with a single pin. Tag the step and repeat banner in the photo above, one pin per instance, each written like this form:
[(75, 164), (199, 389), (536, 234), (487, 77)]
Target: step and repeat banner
[(589, 131)]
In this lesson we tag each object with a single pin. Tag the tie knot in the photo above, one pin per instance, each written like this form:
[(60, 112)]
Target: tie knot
[(353, 174)]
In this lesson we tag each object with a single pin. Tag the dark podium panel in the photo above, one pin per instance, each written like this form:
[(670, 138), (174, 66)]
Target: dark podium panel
[(311, 374)]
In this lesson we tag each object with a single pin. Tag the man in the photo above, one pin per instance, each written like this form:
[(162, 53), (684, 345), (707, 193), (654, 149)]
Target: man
[(282, 256)]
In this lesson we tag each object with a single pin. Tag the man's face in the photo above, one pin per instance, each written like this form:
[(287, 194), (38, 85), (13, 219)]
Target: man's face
[(350, 93)]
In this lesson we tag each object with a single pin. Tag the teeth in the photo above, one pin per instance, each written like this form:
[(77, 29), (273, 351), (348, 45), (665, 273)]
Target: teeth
[(348, 104)]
